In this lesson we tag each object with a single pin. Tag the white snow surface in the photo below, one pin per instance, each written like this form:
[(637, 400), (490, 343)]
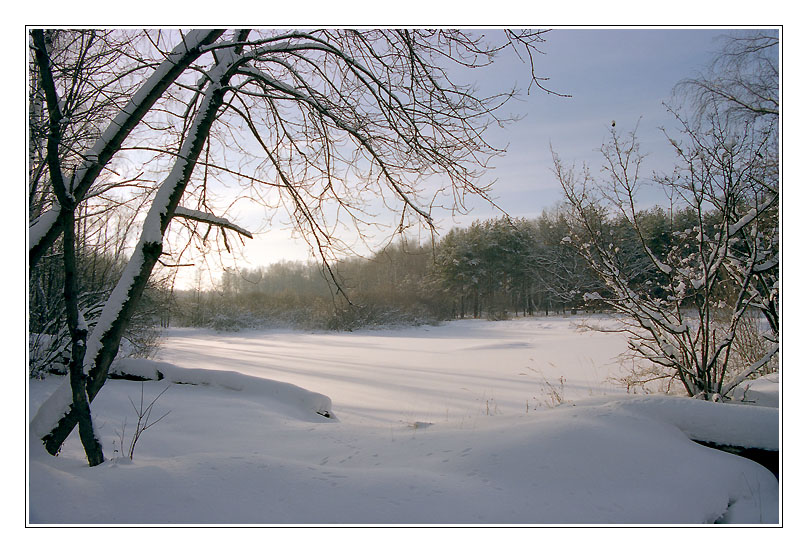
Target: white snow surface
[(455, 424)]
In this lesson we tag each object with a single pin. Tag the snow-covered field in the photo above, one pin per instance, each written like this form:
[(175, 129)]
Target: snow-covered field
[(471, 422)]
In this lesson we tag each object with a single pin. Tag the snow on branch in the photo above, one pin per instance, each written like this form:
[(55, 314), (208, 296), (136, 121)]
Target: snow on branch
[(210, 219), (40, 228), (751, 369), (750, 216), (165, 74)]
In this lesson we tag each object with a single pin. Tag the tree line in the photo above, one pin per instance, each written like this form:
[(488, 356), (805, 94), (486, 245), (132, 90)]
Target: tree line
[(495, 269)]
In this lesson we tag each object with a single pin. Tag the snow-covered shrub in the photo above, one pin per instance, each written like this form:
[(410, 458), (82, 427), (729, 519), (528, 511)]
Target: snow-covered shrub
[(49, 349), (750, 344), (227, 323), (690, 318)]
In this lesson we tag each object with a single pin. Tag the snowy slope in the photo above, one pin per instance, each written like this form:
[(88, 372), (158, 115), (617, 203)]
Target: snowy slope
[(408, 446)]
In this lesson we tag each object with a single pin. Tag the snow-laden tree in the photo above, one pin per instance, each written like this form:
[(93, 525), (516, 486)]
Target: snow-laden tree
[(713, 274), (324, 124), (95, 81)]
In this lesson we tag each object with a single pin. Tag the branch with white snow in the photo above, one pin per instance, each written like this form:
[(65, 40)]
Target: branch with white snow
[(209, 218)]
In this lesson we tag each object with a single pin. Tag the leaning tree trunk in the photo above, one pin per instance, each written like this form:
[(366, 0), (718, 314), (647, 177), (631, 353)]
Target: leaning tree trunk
[(102, 347), (73, 404), (79, 403)]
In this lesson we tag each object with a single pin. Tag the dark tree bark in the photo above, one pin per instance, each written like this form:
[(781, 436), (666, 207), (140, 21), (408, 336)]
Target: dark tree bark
[(127, 293), (75, 322), (78, 333)]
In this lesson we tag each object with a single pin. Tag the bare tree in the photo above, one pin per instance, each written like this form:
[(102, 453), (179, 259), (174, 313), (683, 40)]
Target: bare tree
[(705, 271), (63, 100), (315, 121), (86, 67), (93, 81), (67, 157), (743, 81), (727, 175)]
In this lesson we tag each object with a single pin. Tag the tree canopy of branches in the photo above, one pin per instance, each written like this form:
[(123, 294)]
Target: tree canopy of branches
[(324, 123), (727, 181)]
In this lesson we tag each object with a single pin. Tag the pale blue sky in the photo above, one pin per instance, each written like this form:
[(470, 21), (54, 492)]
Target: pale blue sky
[(620, 75)]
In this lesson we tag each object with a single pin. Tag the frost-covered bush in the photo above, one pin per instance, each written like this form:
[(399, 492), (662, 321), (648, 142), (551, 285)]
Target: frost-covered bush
[(725, 264), (226, 323), (97, 272)]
